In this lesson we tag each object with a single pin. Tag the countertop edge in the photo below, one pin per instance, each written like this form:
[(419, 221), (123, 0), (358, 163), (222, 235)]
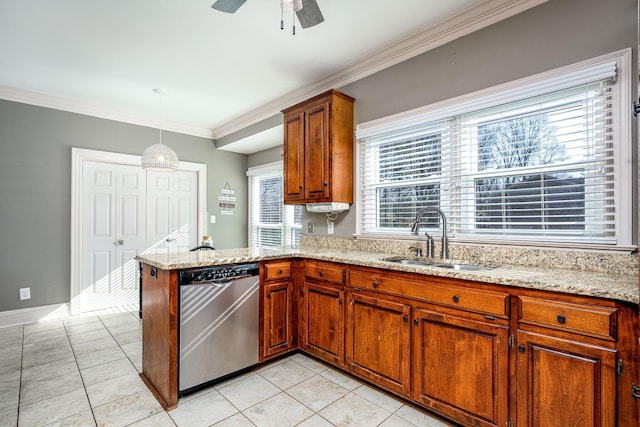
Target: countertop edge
[(592, 284)]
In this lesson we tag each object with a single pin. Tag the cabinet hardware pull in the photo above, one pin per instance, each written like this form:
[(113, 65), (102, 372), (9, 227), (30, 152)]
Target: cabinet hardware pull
[(154, 272), (269, 295), (339, 302), (562, 319), (456, 298), (279, 271), (357, 289), (635, 391), (320, 273), (374, 284), (521, 348), (416, 322), (326, 183), (489, 317), (405, 318)]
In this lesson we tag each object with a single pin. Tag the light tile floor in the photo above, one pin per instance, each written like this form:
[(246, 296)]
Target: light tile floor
[(83, 371)]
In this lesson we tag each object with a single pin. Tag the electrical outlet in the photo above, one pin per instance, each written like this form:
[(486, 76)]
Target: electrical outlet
[(25, 293), (212, 220), (310, 227), (330, 226)]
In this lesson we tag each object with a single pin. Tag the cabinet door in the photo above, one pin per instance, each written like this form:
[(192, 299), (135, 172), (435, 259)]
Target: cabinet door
[(317, 158), (294, 157), (564, 383), (278, 301), (460, 367), (378, 337), (323, 321)]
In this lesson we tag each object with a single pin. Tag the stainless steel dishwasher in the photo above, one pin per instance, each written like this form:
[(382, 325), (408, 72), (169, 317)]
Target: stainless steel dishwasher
[(218, 323)]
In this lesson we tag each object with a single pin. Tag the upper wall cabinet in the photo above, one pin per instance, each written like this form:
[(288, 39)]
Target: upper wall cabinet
[(318, 150)]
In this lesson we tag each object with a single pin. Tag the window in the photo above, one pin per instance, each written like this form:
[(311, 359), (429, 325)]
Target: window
[(543, 160), (271, 223)]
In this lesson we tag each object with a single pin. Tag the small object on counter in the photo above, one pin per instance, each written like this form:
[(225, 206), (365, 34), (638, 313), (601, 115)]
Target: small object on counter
[(206, 241)]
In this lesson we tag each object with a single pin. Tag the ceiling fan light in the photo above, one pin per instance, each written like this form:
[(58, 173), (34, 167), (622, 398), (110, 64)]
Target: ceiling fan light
[(291, 5), (160, 158)]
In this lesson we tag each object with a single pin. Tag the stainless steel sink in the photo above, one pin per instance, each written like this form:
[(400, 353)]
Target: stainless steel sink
[(463, 267), (409, 261), (450, 266)]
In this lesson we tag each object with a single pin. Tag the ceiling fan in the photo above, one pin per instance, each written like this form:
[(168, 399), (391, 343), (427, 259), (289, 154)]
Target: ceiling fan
[(307, 11)]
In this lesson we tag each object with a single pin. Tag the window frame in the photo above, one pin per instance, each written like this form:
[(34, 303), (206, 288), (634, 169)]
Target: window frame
[(536, 85), (288, 225)]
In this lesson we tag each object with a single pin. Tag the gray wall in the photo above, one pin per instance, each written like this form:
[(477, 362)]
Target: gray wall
[(263, 157), (554, 34), (35, 192)]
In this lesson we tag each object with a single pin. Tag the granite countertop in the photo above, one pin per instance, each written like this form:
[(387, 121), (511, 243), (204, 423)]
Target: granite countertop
[(621, 287)]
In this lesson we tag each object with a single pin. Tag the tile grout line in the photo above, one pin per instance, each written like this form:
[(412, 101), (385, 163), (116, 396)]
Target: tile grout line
[(20, 380), (75, 359)]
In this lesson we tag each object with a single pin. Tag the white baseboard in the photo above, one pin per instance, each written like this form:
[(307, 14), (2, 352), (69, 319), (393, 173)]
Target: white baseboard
[(33, 314)]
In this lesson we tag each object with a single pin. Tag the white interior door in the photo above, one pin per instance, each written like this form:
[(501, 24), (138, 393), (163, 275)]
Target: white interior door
[(110, 203), (113, 233), (172, 211)]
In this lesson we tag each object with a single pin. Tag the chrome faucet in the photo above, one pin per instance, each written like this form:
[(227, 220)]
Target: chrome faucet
[(416, 227)]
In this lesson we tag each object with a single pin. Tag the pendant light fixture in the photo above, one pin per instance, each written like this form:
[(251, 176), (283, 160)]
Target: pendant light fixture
[(159, 157)]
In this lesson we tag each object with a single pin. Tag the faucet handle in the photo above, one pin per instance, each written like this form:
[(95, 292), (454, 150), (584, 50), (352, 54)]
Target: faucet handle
[(429, 245), (417, 249)]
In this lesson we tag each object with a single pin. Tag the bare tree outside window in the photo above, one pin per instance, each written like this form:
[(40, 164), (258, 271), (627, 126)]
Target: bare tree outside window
[(551, 200), (403, 161)]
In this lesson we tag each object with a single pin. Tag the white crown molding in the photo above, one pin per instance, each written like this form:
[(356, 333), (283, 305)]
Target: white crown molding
[(473, 19), (79, 107)]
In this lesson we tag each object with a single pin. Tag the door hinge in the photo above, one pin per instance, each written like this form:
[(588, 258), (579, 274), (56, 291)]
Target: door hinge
[(619, 367), (635, 109), (635, 391), (512, 340)]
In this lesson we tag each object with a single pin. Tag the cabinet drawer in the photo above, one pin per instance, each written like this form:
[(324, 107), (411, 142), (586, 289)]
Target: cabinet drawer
[(277, 270), (475, 300), (325, 271), (596, 321)]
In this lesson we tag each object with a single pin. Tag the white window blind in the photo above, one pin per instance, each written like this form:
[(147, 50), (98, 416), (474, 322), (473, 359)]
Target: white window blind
[(545, 167), (271, 223)]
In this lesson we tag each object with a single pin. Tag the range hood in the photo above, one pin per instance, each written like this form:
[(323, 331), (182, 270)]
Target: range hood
[(328, 207)]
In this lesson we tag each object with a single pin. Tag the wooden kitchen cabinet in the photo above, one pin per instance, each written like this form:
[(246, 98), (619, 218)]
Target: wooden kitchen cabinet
[(318, 149), (461, 367), (378, 340), (322, 315), (160, 353), (564, 383), (566, 363), (277, 302)]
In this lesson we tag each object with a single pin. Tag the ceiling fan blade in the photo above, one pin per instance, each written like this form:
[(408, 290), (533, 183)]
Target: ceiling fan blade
[(228, 6), (310, 14)]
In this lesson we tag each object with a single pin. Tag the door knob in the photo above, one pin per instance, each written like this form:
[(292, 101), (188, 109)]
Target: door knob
[(120, 242)]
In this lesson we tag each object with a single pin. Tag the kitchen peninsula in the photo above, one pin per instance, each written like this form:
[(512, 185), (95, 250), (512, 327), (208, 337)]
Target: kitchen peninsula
[(450, 335)]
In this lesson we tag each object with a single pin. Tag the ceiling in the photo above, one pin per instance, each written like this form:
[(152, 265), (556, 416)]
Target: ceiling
[(220, 72)]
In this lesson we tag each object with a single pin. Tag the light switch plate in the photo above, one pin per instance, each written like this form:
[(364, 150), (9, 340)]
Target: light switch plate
[(310, 227), (25, 293)]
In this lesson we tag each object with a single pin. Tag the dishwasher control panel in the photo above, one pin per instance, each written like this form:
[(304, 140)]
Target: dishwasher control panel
[(216, 273)]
